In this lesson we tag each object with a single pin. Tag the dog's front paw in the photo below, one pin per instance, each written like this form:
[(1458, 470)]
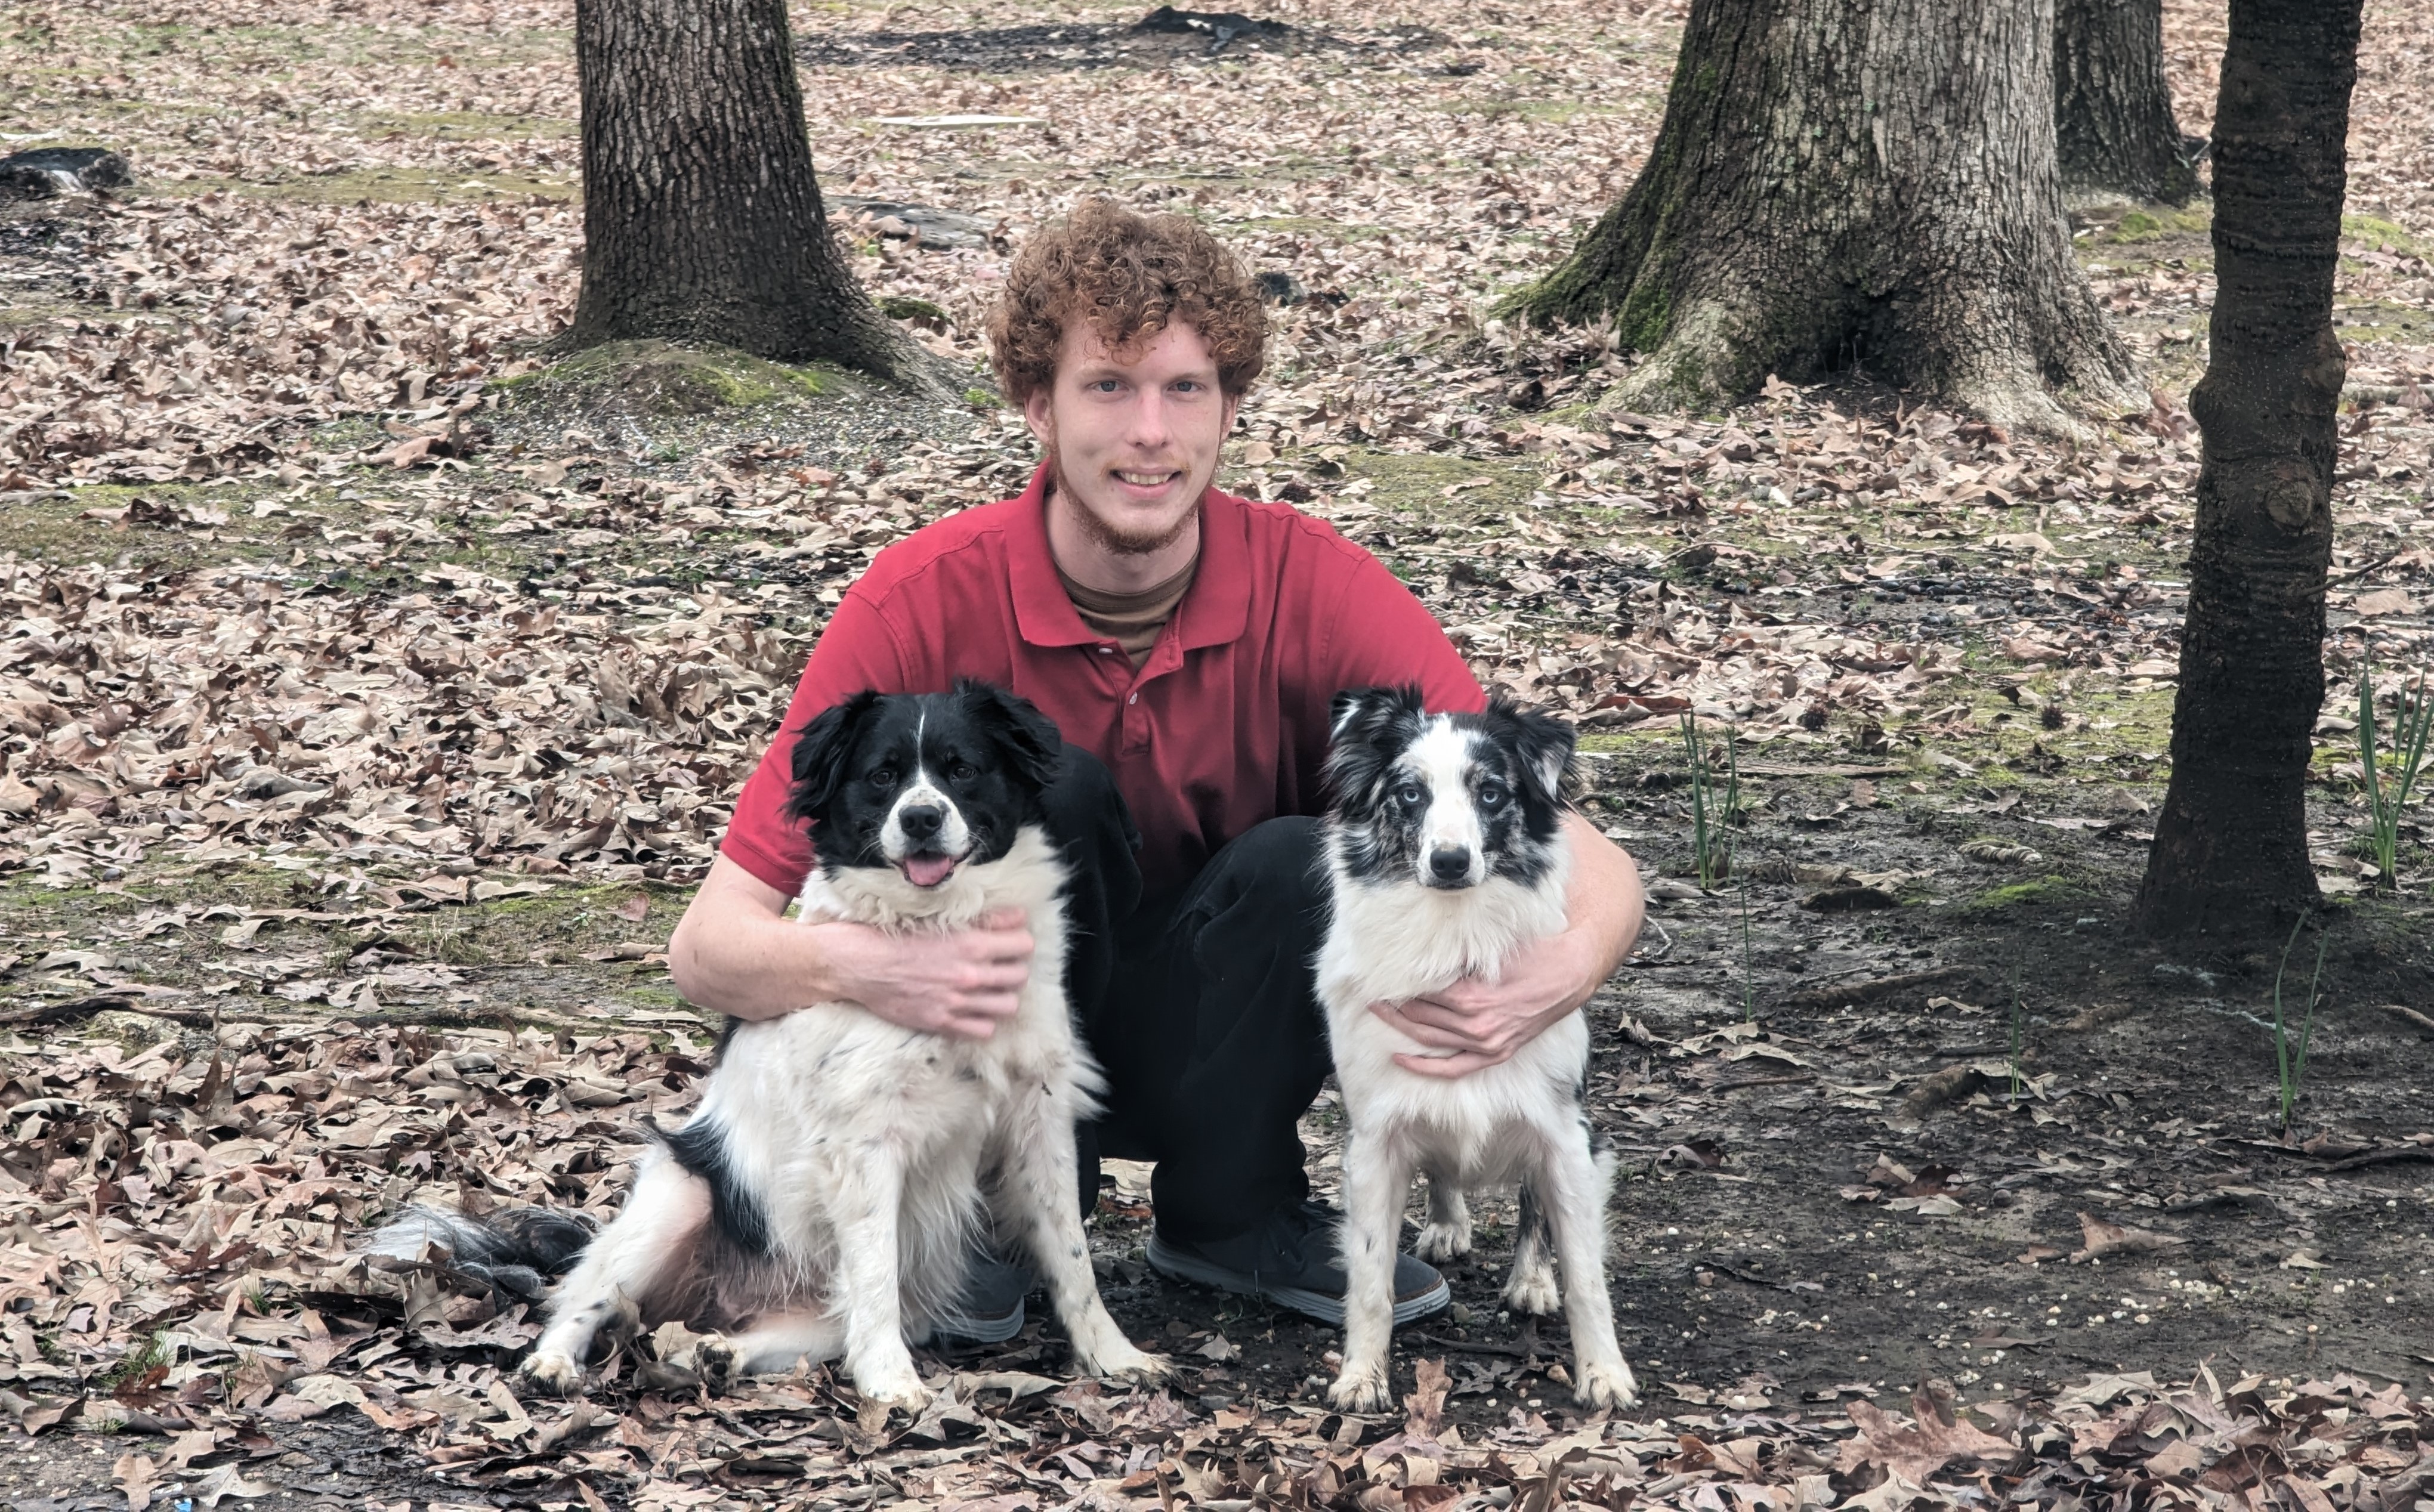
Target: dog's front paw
[(1360, 1388), (1607, 1385), (894, 1385), (1532, 1290), (715, 1359), (1440, 1242), (550, 1375), (1121, 1362)]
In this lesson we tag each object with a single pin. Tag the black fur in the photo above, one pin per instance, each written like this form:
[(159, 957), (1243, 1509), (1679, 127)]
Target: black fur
[(511, 1250), (1520, 775), (989, 751), (1369, 727), (700, 1147), (534, 1237)]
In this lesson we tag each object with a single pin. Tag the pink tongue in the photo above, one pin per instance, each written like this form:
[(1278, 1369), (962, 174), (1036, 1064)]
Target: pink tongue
[(928, 871)]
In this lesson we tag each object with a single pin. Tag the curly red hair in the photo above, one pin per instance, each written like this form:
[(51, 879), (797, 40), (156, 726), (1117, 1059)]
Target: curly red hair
[(1130, 276)]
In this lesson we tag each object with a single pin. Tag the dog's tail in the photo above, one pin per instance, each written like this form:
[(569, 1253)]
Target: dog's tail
[(514, 1250)]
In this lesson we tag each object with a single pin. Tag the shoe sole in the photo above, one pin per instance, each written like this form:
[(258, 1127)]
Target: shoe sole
[(951, 1333), (1320, 1305)]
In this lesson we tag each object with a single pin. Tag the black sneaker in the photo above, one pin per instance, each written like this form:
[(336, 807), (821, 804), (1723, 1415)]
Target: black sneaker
[(989, 1308), (1292, 1260)]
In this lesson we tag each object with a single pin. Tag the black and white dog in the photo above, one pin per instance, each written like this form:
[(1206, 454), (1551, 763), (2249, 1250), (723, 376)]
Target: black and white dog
[(823, 1199), (1446, 853)]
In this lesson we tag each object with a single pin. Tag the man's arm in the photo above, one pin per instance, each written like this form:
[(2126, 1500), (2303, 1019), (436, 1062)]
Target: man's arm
[(736, 951), (1482, 1024)]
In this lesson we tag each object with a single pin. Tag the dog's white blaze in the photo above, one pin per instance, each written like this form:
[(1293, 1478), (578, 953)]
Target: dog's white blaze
[(1441, 759), (954, 835)]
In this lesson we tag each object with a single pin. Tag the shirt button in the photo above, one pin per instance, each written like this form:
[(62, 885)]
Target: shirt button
[(1134, 699), (1106, 651)]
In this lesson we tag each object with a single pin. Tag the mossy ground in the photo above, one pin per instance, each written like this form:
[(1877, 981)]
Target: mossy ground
[(663, 378)]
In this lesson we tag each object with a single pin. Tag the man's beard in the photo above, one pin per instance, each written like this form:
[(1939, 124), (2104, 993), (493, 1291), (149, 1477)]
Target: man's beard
[(1108, 537)]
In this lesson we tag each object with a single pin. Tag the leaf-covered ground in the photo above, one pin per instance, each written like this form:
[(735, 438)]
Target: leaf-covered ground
[(374, 686)]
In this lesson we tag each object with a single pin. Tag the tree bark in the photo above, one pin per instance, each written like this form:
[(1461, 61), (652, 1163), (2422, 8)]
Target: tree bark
[(1845, 184), (2230, 846), (701, 215), (2113, 114)]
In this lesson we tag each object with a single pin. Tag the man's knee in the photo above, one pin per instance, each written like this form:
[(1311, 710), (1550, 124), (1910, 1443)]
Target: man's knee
[(1277, 863)]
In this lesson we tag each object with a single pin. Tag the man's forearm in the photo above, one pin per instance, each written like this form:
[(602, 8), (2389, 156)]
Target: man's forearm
[(1603, 902), (736, 952), (750, 968)]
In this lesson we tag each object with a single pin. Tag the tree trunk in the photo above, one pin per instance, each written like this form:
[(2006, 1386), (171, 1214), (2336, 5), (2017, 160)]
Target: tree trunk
[(2230, 846), (1851, 184), (2113, 116), (701, 216)]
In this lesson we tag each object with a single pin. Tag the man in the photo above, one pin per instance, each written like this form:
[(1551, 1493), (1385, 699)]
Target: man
[(1188, 644)]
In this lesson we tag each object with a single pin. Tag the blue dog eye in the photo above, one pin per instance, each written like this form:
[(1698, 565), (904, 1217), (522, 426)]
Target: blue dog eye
[(1490, 795), (1411, 794)]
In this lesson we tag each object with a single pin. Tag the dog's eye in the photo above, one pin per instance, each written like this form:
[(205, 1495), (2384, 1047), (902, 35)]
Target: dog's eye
[(1410, 795), (883, 777), (1490, 795), (961, 773)]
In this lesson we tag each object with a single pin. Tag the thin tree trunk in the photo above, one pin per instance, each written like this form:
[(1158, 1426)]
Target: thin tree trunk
[(2230, 846), (701, 216), (2113, 114), (1851, 184)]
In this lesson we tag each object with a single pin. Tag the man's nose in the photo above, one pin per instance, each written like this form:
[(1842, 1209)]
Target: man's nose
[(1150, 421)]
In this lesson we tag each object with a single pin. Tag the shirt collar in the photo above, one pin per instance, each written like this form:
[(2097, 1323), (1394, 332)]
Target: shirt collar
[(1215, 611)]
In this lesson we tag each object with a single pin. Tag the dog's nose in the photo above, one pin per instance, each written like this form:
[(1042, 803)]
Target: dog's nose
[(1450, 863), (920, 821)]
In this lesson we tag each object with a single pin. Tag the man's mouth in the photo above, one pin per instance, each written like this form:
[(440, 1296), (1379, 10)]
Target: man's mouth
[(1146, 479), (928, 871)]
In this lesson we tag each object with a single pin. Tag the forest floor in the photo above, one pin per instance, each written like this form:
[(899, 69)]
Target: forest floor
[(374, 686)]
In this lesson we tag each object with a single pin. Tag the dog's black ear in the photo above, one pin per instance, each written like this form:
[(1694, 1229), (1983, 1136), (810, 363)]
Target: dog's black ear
[(1029, 739), (1546, 746), (1366, 726), (821, 750)]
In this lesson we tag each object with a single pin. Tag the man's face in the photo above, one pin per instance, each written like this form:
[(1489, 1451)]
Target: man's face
[(1133, 439)]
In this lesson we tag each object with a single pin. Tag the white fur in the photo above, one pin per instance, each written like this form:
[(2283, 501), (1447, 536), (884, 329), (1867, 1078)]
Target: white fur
[(1394, 940), (868, 1146)]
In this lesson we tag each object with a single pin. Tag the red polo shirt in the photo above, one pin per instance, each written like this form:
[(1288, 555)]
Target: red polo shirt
[(1223, 727)]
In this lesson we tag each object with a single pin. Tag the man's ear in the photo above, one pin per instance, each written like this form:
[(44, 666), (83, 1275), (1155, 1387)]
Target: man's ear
[(1028, 737), (1039, 412), (821, 750)]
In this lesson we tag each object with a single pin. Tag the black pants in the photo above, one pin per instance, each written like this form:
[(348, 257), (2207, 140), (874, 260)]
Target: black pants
[(1200, 1005)]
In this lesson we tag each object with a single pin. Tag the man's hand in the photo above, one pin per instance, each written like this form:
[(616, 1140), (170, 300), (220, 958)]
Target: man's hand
[(1480, 1024), (737, 952), (1484, 1022), (966, 982)]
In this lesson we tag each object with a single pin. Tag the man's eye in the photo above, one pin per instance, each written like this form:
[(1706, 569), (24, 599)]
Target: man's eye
[(1490, 795)]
